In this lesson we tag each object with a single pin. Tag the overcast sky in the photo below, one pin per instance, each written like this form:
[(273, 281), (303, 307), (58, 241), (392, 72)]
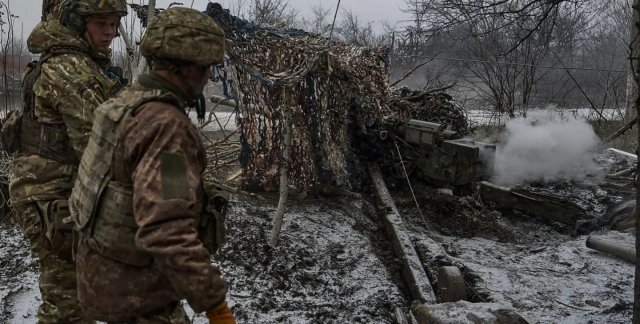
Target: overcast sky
[(376, 11)]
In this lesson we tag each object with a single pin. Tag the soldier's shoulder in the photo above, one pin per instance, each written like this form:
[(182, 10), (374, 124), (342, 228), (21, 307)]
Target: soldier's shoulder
[(161, 115), (123, 99), (134, 97), (163, 110), (71, 67), (157, 122)]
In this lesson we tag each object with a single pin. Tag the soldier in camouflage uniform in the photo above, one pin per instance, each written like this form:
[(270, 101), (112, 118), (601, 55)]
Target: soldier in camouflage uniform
[(61, 92), (144, 214)]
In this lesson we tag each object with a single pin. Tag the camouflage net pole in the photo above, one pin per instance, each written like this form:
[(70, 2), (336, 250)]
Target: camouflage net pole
[(284, 167), (284, 181)]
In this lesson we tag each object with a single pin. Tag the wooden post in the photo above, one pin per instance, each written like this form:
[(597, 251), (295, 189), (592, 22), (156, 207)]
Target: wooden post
[(284, 170)]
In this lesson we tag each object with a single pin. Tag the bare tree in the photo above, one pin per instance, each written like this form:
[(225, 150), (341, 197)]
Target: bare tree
[(501, 50), (634, 49), (634, 60), (238, 8), (319, 22), (353, 31), (276, 13), (501, 55), (417, 33), (8, 50), (495, 15)]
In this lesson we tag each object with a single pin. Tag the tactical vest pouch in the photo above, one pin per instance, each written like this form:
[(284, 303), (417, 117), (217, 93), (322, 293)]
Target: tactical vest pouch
[(56, 144), (49, 141), (211, 227), (59, 214), (22, 132), (115, 229), (10, 132)]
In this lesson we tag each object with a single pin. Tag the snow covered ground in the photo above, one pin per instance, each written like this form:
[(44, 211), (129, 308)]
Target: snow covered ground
[(487, 117), (334, 265), (563, 283)]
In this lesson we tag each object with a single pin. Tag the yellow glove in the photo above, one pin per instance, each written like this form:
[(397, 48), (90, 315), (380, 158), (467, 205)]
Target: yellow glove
[(221, 314)]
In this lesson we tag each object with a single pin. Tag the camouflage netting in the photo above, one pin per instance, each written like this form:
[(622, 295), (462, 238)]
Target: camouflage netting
[(337, 98), (437, 108)]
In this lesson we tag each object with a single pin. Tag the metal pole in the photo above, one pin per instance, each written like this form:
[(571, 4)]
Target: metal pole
[(127, 41), (333, 24), (142, 65)]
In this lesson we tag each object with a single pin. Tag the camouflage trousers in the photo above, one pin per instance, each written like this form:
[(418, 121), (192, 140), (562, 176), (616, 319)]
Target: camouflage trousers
[(170, 314), (57, 268)]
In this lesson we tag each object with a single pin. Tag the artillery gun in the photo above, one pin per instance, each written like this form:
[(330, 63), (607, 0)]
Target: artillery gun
[(445, 159)]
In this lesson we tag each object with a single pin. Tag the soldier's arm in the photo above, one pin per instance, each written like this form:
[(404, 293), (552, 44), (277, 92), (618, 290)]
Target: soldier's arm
[(167, 160), (77, 91)]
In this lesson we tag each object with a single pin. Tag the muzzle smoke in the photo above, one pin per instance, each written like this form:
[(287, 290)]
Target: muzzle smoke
[(544, 150)]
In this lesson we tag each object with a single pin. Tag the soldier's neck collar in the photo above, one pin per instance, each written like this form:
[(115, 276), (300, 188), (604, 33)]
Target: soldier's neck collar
[(153, 80)]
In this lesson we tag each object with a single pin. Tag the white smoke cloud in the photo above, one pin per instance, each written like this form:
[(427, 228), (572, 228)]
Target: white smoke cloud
[(546, 149)]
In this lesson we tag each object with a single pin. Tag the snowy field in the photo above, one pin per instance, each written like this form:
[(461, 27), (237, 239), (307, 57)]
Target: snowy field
[(334, 265), (487, 117)]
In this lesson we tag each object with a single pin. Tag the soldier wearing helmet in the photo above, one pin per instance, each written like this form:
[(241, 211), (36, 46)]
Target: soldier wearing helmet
[(148, 223), (51, 130)]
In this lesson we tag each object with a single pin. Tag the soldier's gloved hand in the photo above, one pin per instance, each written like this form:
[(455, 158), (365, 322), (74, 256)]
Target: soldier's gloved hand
[(221, 314)]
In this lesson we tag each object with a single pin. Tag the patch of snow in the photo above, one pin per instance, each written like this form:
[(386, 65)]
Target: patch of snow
[(487, 117), (565, 283)]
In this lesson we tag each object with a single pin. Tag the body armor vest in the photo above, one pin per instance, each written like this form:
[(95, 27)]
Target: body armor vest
[(101, 203), (23, 133)]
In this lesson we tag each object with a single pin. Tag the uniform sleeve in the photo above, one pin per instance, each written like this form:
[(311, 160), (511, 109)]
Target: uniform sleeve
[(76, 92), (167, 159)]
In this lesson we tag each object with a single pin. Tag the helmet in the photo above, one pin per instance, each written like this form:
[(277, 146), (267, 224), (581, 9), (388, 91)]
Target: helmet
[(184, 34), (74, 12)]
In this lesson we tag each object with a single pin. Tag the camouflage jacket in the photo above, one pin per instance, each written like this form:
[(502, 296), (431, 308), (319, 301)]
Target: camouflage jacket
[(69, 88), (165, 217)]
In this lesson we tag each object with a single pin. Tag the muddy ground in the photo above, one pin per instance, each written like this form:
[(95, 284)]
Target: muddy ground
[(334, 263)]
